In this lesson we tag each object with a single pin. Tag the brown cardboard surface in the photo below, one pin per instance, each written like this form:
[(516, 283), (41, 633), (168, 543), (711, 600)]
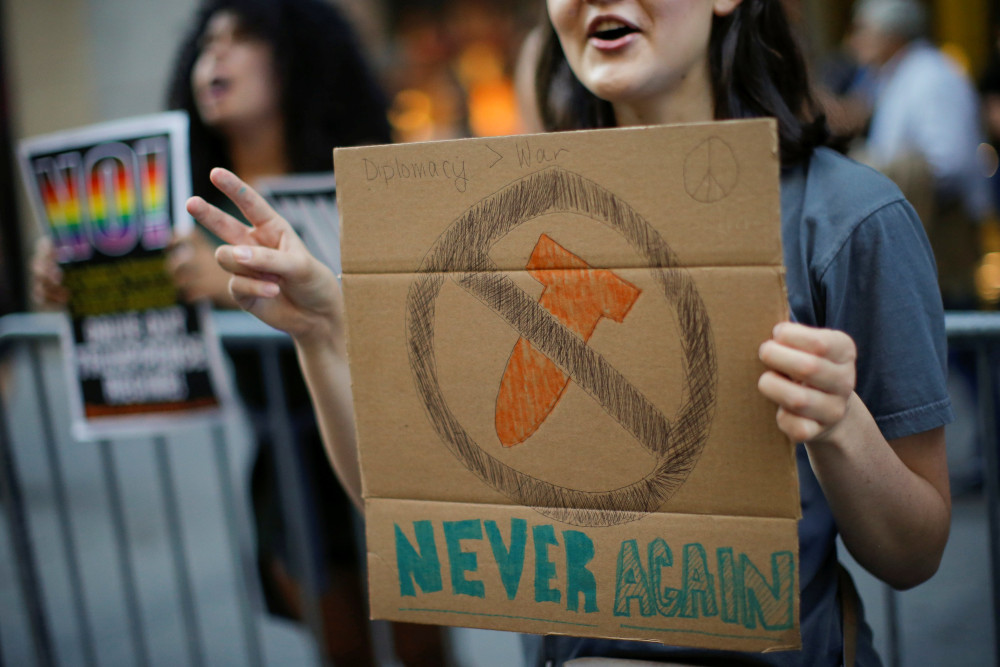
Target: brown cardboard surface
[(563, 330)]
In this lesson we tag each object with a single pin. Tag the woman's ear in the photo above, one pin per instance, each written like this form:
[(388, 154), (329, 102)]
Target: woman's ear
[(725, 7)]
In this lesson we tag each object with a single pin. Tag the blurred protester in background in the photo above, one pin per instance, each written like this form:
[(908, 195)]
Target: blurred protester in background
[(271, 87), (924, 132)]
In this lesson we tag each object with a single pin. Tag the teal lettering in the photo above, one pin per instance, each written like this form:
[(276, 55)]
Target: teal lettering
[(509, 561), (668, 600), (730, 586), (631, 582), (738, 593), (424, 567), (463, 561), (772, 603), (699, 585), (579, 579), (545, 569)]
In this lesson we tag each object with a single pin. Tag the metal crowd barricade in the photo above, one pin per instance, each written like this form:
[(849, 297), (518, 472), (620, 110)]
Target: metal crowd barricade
[(62, 627)]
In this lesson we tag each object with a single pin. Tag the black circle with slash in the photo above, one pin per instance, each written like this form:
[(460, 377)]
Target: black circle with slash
[(464, 249)]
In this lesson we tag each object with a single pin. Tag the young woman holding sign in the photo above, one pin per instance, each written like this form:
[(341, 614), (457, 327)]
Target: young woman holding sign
[(869, 405)]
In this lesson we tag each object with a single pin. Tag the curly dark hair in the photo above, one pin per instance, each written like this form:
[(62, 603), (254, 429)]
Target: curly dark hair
[(329, 95), (757, 70)]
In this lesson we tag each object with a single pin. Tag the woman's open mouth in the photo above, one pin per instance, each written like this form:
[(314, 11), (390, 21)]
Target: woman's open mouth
[(609, 33), (218, 86)]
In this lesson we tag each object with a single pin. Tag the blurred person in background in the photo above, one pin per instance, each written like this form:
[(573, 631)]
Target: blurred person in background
[(924, 131), (271, 87)]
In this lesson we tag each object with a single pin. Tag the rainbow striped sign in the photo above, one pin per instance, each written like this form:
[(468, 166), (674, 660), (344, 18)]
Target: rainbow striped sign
[(111, 197), (107, 198)]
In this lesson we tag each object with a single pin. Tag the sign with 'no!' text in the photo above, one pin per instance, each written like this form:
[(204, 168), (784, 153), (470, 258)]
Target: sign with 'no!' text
[(110, 197)]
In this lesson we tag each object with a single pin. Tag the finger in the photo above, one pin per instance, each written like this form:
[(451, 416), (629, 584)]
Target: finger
[(228, 262), (256, 209), (798, 429), (44, 263), (806, 367), (44, 250), (220, 223), (49, 282), (248, 291), (49, 296), (802, 400), (179, 257), (178, 239), (39, 296), (49, 275), (829, 343), (260, 260)]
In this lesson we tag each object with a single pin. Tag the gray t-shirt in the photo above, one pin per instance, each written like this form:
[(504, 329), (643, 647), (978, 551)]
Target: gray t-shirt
[(857, 260)]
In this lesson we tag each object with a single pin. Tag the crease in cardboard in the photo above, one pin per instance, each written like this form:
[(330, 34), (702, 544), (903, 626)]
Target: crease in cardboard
[(763, 266), (443, 504)]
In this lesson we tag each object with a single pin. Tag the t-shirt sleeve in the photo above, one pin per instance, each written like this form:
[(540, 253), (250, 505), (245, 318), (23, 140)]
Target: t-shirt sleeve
[(880, 287)]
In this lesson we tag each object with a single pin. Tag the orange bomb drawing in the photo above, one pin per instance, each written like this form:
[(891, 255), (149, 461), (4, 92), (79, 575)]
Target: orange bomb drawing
[(579, 297)]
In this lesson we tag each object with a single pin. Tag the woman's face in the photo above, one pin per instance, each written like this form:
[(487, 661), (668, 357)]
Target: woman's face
[(642, 54), (234, 79)]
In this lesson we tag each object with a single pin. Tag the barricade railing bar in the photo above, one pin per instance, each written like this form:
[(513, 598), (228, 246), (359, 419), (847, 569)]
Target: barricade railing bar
[(28, 333)]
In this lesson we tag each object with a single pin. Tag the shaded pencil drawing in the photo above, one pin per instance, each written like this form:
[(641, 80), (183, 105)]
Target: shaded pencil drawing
[(462, 254)]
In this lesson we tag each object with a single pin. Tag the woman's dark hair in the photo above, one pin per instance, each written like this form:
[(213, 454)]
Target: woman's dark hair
[(329, 97), (757, 70)]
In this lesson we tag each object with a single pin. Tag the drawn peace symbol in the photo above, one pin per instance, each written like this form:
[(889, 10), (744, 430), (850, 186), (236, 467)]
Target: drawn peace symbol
[(711, 171), (462, 253)]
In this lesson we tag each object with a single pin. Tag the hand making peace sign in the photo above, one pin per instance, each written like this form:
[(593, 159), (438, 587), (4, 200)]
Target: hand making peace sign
[(274, 277)]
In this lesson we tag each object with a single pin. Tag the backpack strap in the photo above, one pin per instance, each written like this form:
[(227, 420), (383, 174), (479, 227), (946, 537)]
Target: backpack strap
[(848, 595)]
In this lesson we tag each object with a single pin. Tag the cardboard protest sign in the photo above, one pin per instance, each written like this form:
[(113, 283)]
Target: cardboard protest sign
[(110, 197), (553, 348), (308, 202)]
